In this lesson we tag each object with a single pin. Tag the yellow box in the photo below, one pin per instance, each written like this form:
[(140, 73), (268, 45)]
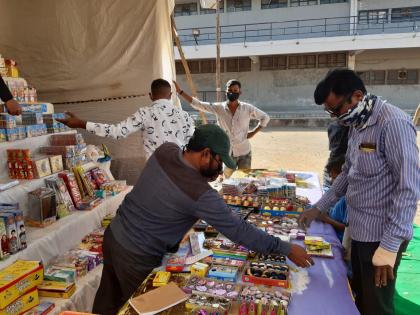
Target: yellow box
[(161, 278), (56, 289), (19, 278), (199, 269), (22, 304)]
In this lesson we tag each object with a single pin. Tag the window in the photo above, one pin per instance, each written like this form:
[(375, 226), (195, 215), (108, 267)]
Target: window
[(179, 68), (208, 66), (238, 5), (302, 61), (300, 3), (373, 16), (278, 62), (183, 9), (332, 60), (332, 1), (213, 11), (194, 66), (403, 76), (272, 4), (405, 14), (244, 64), (373, 77), (241, 64)]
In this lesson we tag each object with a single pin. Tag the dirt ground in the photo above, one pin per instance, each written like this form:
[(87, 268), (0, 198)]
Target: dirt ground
[(295, 149)]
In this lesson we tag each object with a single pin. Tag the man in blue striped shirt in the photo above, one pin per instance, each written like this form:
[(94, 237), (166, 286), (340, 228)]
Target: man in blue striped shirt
[(381, 183)]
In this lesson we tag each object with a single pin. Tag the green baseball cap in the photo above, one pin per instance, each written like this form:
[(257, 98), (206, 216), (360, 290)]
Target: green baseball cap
[(213, 137)]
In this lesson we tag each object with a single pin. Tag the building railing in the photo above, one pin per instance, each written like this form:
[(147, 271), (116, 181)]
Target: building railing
[(297, 29)]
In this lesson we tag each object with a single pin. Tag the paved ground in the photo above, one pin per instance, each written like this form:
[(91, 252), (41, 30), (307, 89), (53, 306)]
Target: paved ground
[(295, 149)]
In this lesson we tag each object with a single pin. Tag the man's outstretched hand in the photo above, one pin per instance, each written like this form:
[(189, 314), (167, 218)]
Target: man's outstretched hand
[(13, 107), (308, 216), (73, 121), (299, 256)]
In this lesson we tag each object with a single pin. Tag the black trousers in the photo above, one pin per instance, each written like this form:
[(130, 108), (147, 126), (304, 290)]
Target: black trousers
[(122, 274), (371, 300)]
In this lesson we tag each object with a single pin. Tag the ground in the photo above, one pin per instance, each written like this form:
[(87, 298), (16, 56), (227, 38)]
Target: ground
[(295, 149)]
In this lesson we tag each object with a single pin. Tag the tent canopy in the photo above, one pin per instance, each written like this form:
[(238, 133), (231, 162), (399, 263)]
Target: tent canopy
[(77, 50)]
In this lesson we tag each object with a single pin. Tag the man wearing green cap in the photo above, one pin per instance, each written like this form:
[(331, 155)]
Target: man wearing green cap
[(171, 194)]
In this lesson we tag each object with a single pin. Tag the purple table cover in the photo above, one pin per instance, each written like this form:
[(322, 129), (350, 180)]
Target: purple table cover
[(328, 291)]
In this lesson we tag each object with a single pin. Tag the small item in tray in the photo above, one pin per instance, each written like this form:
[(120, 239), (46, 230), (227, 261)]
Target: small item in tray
[(161, 278), (212, 287)]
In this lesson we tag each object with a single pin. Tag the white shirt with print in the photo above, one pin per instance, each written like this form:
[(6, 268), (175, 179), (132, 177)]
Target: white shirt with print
[(159, 122)]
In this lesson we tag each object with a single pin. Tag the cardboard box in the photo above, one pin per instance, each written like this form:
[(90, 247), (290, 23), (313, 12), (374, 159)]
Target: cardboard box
[(42, 309), (265, 281), (20, 228), (56, 289), (22, 304), (12, 236), (17, 279), (72, 188), (41, 167), (56, 163), (42, 207), (60, 274)]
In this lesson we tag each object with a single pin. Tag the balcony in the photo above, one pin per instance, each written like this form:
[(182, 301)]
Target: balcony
[(295, 30)]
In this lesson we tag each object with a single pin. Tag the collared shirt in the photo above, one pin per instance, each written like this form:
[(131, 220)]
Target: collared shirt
[(159, 123), (237, 125), (380, 179)]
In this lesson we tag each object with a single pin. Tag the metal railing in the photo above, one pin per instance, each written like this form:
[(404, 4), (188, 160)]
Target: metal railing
[(297, 29)]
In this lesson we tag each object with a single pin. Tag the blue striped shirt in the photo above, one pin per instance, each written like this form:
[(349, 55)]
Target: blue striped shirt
[(380, 179)]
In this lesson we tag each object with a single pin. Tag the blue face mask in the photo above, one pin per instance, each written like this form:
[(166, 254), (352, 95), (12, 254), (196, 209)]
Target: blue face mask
[(358, 115)]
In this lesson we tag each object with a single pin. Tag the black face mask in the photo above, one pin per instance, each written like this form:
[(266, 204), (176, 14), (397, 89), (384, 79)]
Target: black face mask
[(232, 96), (212, 173)]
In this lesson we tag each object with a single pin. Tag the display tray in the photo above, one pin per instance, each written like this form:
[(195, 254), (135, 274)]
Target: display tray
[(265, 281)]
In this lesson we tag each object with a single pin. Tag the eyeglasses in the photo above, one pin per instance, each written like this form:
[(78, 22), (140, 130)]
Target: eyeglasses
[(336, 110)]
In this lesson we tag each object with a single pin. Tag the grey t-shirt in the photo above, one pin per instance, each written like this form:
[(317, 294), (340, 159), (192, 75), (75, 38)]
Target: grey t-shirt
[(169, 197)]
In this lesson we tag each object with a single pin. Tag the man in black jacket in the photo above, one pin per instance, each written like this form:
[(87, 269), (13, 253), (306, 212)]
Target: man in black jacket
[(12, 106)]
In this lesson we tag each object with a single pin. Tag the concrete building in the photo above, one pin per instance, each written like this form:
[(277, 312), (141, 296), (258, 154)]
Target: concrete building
[(280, 49)]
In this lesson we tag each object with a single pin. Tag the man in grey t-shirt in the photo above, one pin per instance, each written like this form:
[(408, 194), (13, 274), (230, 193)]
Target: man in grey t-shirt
[(171, 194)]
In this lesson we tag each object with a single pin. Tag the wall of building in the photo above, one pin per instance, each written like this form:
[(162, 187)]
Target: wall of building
[(385, 4), (272, 91), (288, 91), (257, 15), (404, 96)]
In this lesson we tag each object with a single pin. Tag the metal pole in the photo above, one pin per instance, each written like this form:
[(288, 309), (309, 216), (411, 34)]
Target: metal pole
[(218, 85)]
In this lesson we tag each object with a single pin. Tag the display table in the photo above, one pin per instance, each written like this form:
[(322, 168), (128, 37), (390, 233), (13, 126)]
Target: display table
[(46, 243), (325, 288)]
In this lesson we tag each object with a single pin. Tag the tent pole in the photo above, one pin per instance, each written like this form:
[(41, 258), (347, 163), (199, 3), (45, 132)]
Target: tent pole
[(186, 67), (218, 85)]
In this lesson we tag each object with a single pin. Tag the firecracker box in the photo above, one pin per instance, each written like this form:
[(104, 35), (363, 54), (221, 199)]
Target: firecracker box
[(17, 279), (56, 289), (22, 304)]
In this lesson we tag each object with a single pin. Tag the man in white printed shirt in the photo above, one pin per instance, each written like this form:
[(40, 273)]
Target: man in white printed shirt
[(234, 118), (159, 122)]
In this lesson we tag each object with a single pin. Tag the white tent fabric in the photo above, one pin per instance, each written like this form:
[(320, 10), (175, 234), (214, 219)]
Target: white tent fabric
[(77, 50)]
